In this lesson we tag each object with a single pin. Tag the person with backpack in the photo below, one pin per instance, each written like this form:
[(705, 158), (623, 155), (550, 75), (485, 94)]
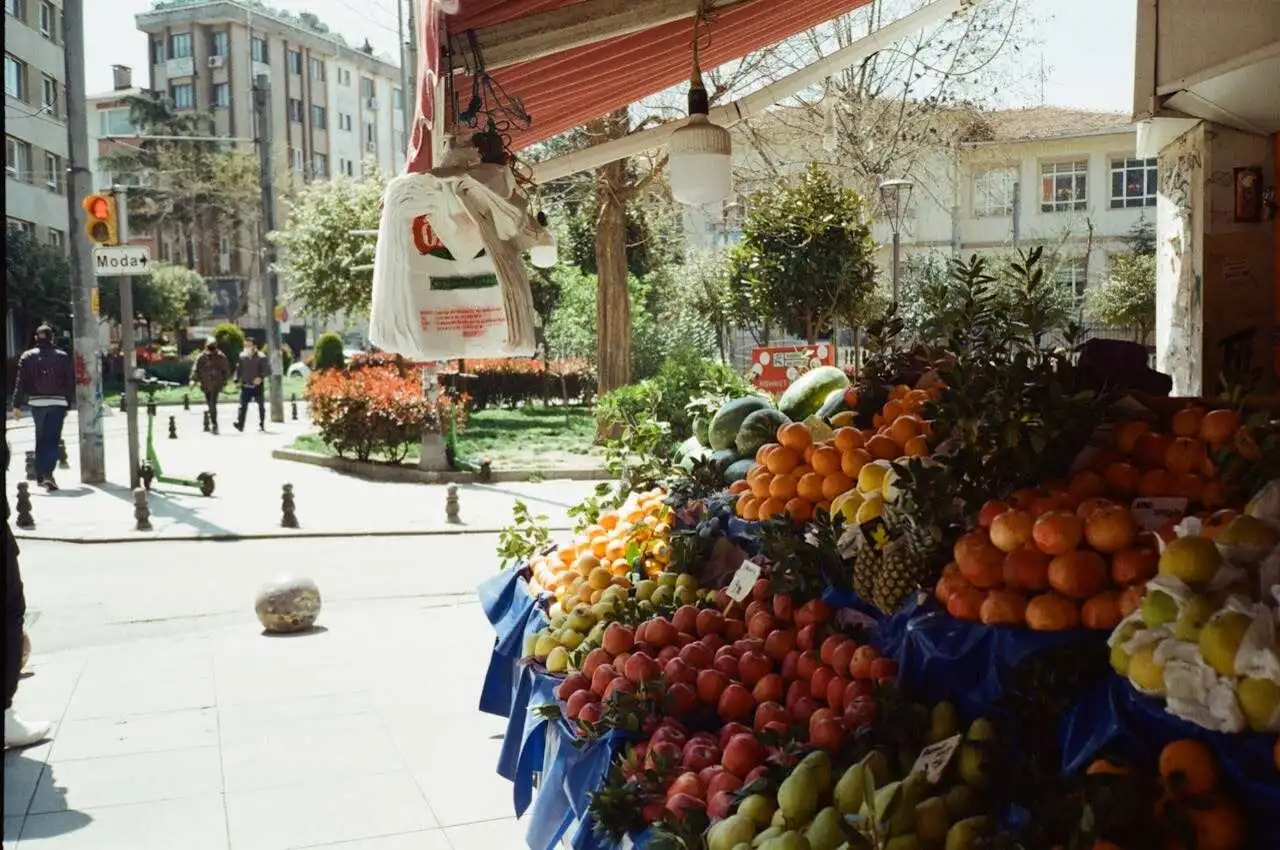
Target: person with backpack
[(47, 384), (211, 372)]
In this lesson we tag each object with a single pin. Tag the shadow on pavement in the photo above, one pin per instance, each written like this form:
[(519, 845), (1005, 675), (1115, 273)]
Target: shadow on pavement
[(162, 504), (314, 630), (524, 497), (21, 771)]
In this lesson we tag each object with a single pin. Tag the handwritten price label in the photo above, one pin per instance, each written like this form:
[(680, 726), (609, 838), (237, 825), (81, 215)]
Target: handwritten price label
[(1151, 514), (743, 580), (933, 759)]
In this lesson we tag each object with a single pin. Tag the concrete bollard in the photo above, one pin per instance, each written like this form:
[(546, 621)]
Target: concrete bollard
[(141, 512), (289, 517), (293, 407), (173, 428), (62, 455), (31, 466), (206, 422), (451, 505), (122, 403), (25, 520), (151, 408), (186, 401)]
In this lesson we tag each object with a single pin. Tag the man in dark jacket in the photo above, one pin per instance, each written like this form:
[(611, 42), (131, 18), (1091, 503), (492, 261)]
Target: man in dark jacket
[(47, 383), (17, 732), (251, 373), (211, 371)]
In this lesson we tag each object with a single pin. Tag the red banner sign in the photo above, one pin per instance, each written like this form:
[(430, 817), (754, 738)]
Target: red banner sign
[(773, 368)]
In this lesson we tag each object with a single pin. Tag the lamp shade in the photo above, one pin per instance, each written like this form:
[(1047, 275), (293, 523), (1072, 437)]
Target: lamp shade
[(543, 254), (699, 156)]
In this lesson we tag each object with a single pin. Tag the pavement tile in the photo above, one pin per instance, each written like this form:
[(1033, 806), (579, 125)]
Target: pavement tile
[(139, 733), (247, 718), (119, 780), (21, 774), (431, 839), (140, 696), (503, 834), (13, 826), (195, 823), (305, 815), (274, 755)]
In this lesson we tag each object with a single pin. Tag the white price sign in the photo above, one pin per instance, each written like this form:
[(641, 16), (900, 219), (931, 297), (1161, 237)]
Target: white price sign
[(743, 581), (933, 759), (1151, 514)]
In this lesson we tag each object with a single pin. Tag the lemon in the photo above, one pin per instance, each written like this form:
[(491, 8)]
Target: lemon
[(1259, 700), (871, 477), (1145, 672), (1247, 540), (889, 490), (871, 508), (1194, 560), (847, 504)]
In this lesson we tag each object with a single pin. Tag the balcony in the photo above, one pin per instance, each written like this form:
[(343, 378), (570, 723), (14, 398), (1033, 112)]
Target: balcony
[(183, 67)]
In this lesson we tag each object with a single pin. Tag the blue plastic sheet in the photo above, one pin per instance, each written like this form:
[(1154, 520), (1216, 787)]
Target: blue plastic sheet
[(940, 657), (1114, 716), (745, 534), (840, 597), (520, 617)]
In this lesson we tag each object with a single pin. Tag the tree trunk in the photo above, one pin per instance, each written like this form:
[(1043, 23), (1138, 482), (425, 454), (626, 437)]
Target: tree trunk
[(613, 302)]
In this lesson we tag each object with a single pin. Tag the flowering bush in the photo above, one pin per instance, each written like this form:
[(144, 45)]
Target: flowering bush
[(370, 410)]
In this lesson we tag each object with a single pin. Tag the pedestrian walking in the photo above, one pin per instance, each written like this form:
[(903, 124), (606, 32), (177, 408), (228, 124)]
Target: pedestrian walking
[(251, 373), (211, 372), (46, 383), (17, 731)]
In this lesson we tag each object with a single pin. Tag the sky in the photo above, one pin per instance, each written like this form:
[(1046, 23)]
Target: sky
[(1084, 46)]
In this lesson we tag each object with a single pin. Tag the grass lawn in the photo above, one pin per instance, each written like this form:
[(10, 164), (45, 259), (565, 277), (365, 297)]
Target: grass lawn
[(173, 395), (525, 438)]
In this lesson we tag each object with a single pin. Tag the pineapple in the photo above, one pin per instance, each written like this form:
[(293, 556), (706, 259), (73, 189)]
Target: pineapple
[(909, 557), (901, 572), (866, 563)]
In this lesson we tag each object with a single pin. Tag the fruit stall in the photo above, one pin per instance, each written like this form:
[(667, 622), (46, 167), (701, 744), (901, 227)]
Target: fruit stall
[(955, 601)]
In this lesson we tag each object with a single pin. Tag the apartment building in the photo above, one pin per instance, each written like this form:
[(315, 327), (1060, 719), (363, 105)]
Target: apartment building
[(35, 124)]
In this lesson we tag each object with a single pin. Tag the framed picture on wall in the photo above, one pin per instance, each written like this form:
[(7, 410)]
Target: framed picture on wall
[(1248, 183)]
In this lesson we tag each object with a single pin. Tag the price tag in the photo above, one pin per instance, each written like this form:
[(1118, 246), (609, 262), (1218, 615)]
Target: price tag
[(626, 843), (933, 759), (743, 581), (1151, 514)]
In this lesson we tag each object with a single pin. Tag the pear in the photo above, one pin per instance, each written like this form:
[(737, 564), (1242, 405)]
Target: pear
[(530, 647), (570, 639), (768, 834), (730, 832), (759, 808), (886, 800), (932, 821), (799, 793), (787, 841), (965, 834), (851, 790), (1119, 660), (878, 763), (545, 643), (1194, 614), (664, 595), (1220, 640), (981, 730), (944, 722), (644, 589), (581, 619), (973, 767), (825, 832), (819, 761), (1158, 608), (903, 842), (1247, 540), (558, 660), (1259, 700), (669, 579), (779, 820), (961, 802), (914, 790)]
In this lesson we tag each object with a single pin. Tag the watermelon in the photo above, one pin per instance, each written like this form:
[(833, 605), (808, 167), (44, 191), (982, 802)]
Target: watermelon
[(738, 470), (757, 429), (689, 448), (833, 405), (723, 457), (701, 427), (810, 391), (723, 429)]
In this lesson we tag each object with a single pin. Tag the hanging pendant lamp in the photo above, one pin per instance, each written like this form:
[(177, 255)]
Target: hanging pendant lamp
[(700, 154), (543, 253)]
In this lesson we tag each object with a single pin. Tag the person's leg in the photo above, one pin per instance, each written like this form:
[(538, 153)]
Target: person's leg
[(211, 402), (57, 417), (45, 461), (246, 393), (260, 390), (15, 608)]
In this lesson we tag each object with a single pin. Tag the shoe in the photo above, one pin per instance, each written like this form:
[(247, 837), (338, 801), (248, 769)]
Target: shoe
[(239, 426), (262, 428), (23, 733), (214, 430), (48, 484)]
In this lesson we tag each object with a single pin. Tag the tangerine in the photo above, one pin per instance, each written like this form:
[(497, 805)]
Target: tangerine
[(882, 447), (739, 486), (1122, 479), (1126, 434), (979, 561), (1151, 449), (762, 453), (835, 484), (760, 485), (1087, 484), (807, 454), (892, 410), (1134, 565), (1057, 532), (748, 507), (1026, 569), (1101, 611), (825, 460), (905, 427), (1011, 530), (1050, 612), (1189, 486), (966, 603), (1184, 454), (1131, 598), (852, 461), (990, 510), (846, 439), (1111, 528), (1088, 506), (916, 447), (782, 460), (1218, 426), (1188, 767), (794, 435), (800, 510), (1003, 607), (1078, 574), (1186, 422), (1156, 482), (810, 487), (948, 585), (782, 487), (770, 508)]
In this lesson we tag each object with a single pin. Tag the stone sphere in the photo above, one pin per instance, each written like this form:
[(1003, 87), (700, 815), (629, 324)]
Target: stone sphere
[(288, 604), (26, 650)]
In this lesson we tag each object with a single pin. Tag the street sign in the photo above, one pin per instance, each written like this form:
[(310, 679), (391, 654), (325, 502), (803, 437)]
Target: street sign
[(121, 260)]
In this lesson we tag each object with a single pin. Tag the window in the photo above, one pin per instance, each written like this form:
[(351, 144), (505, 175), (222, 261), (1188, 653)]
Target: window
[(53, 172), (318, 118), (316, 69), (17, 158), (183, 96), (295, 62), (1133, 183), (1063, 186), (1072, 275), (26, 227), (49, 94), (57, 238), (221, 44), (370, 134), (347, 167), (295, 154), (157, 51), (295, 110), (344, 121), (115, 122), (320, 165), (17, 8), (258, 49), (397, 98), (993, 192), (180, 45), (15, 77), (221, 95), (366, 87), (47, 19), (344, 77)]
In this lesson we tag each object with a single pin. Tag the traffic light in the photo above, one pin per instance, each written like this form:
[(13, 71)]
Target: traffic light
[(100, 219)]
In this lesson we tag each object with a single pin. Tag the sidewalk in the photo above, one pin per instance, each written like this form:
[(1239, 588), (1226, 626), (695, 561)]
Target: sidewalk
[(246, 502)]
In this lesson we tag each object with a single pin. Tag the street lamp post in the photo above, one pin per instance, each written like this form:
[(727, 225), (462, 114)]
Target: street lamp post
[(895, 195)]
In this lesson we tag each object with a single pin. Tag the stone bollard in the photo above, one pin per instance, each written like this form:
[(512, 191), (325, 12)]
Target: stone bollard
[(293, 407), (173, 428), (151, 408), (25, 520), (62, 455), (289, 517), (140, 510), (122, 403), (186, 401), (31, 466), (451, 505), (206, 422), (287, 605)]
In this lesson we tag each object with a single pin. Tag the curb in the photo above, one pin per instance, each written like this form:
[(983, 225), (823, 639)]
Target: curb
[(233, 536), (412, 475)]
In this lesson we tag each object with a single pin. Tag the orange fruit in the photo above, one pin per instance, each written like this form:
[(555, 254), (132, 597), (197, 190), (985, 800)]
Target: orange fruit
[(1188, 768), (1101, 611), (1026, 569), (794, 435), (1131, 598), (851, 462), (905, 427), (1088, 506), (770, 508), (1156, 482), (782, 460), (1186, 422), (1218, 426), (978, 560), (883, 448), (1185, 454), (1134, 565), (807, 454), (1011, 530), (760, 485), (966, 603), (801, 471), (826, 460), (991, 509), (800, 510), (1110, 529), (1151, 449), (1057, 532), (891, 411), (1003, 607), (1078, 574), (762, 453), (1189, 486), (810, 487), (740, 486), (847, 439), (1050, 612), (1126, 434), (835, 484), (1122, 479), (899, 392), (916, 447), (783, 487), (1087, 484), (748, 507)]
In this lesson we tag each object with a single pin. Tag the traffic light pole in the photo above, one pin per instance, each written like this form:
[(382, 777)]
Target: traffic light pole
[(262, 108), (127, 343), (84, 322)]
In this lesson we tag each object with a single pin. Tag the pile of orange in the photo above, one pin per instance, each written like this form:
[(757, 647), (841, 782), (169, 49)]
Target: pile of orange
[(1049, 562), (597, 557), (797, 477)]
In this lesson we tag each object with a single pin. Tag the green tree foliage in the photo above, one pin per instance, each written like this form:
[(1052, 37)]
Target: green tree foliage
[(230, 340), (329, 270), (328, 351), (1127, 298), (37, 283), (171, 297), (806, 255)]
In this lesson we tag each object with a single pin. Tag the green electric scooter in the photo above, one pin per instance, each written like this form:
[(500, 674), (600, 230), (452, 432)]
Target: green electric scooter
[(149, 470)]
